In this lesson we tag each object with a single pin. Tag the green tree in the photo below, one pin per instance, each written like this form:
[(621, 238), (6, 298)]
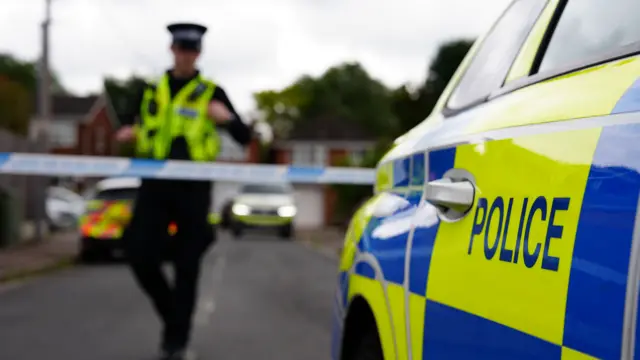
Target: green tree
[(413, 106), (281, 109), (349, 92), (18, 92), (346, 91), (444, 65), (410, 107), (122, 93), (15, 107), (26, 74)]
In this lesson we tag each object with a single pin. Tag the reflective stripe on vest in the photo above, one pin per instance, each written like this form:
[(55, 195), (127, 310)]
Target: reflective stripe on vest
[(163, 119)]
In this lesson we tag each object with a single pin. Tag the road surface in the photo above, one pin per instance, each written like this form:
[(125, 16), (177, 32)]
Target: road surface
[(261, 298)]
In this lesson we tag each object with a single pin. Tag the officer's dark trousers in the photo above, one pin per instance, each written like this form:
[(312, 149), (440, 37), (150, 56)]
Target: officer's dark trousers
[(158, 203)]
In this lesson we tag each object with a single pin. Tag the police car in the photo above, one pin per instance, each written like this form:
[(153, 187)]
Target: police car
[(108, 209), (505, 226), (269, 206), (107, 212)]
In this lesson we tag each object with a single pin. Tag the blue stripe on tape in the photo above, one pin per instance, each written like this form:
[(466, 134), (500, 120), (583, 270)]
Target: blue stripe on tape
[(4, 157), (144, 168), (298, 173)]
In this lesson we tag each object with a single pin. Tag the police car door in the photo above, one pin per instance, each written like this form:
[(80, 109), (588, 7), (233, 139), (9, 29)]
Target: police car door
[(533, 175)]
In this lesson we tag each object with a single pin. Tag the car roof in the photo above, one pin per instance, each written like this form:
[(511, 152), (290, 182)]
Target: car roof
[(118, 183)]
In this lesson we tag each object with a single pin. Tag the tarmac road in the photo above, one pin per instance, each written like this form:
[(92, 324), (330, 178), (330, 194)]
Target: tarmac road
[(261, 298)]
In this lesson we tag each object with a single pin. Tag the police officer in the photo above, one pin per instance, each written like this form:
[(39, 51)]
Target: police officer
[(176, 118)]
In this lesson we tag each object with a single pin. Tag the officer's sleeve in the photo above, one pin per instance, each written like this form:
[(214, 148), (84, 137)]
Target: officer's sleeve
[(131, 109), (236, 128)]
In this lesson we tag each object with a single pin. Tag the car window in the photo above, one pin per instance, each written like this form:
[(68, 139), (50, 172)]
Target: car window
[(265, 189), (117, 194), (491, 63), (588, 28)]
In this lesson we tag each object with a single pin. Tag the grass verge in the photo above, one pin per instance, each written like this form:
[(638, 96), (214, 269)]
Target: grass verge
[(24, 274)]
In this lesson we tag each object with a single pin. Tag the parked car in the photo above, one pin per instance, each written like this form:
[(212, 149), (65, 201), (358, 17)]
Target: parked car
[(263, 206), (107, 212), (63, 207)]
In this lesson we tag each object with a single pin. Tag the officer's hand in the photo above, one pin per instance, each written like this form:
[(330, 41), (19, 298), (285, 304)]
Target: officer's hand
[(219, 112), (125, 134)]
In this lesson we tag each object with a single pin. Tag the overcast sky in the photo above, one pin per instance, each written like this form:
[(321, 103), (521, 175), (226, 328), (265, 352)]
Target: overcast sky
[(251, 44)]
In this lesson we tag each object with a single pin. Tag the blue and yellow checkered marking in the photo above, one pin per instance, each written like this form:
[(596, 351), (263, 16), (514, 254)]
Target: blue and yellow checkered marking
[(559, 294), (597, 286), (386, 239), (401, 172), (630, 101), (417, 170), (541, 298), (425, 233), (454, 334), (506, 265), (585, 323)]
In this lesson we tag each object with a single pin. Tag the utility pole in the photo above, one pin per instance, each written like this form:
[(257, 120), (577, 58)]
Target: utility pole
[(44, 101), (45, 78)]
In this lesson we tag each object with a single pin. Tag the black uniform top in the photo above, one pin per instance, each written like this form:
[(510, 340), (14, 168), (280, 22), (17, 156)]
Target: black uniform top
[(179, 149)]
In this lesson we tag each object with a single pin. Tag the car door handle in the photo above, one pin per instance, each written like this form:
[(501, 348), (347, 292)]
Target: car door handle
[(458, 196)]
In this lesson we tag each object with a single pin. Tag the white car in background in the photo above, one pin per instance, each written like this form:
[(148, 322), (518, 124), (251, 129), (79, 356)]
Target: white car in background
[(63, 207), (268, 206)]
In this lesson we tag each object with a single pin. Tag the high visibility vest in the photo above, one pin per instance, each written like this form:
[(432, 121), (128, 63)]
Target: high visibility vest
[(162, 119)]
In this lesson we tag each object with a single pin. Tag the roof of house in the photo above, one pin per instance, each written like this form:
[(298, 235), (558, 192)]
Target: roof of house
[(72, 105), (68, 105), (81, 108), (329, 128)]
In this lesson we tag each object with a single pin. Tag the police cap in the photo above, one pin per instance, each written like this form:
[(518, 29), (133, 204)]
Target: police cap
[(187, 36)]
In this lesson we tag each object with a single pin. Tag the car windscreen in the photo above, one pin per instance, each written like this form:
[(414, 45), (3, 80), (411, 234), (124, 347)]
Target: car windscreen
[(117, 194), (265, 189)]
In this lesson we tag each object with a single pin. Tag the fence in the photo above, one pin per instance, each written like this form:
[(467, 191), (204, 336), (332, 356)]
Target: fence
[(21, 197)]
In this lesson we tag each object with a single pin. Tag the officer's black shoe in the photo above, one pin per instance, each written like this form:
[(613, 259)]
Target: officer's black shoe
[(181, 354)]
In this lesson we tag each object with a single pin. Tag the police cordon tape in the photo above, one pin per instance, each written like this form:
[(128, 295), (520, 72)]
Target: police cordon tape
[(99, 166)]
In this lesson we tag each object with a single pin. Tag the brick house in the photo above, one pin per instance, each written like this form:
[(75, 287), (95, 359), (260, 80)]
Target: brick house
[(67, 112), (95, 131), (320, 142)]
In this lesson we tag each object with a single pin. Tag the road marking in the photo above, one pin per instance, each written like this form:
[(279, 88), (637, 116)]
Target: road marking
[(207, 303), (205, 310)]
